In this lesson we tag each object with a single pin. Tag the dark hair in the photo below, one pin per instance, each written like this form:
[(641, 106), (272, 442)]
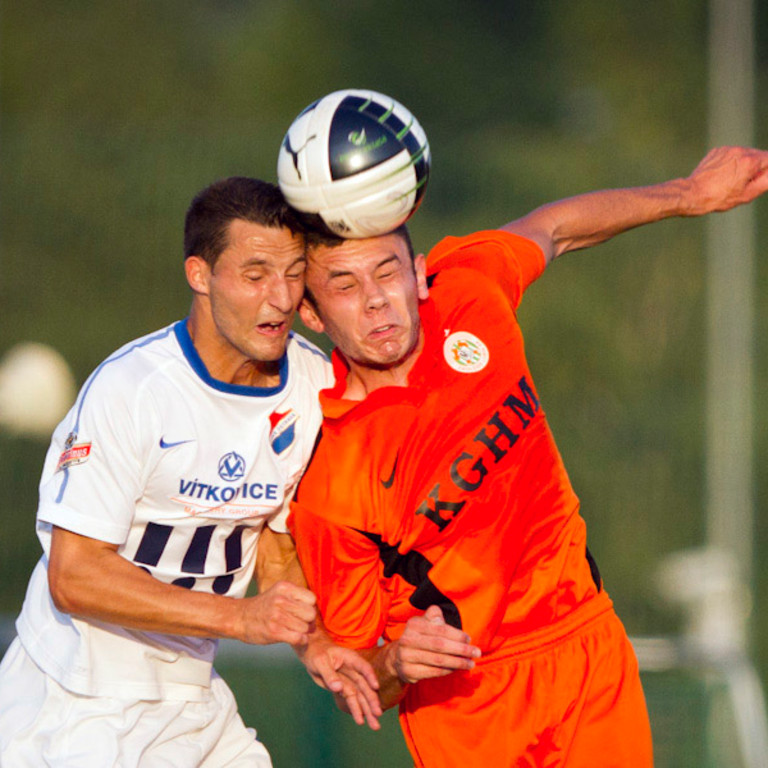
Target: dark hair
[(206, 225), (319, 234)]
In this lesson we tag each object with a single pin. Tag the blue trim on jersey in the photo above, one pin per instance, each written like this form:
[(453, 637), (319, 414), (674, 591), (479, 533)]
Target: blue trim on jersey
[(304, 344), (198, 366), (84, 393)]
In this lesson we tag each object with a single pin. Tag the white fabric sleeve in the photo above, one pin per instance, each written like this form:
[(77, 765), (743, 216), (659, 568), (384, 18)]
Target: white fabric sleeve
[(93, 474), (279, 521)]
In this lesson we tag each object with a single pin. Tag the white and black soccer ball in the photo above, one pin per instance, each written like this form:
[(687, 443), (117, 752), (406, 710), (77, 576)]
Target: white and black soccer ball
[(357, 158)]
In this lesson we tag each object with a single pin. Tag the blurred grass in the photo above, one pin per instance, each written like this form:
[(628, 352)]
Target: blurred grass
[(299, 723)]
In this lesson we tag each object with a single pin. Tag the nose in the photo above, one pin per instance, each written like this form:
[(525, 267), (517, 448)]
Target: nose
[(280, 295), (375, 297)]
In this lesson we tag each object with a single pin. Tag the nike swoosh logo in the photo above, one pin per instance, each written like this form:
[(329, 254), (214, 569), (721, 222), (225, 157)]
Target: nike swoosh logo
[(165, 445), (391, 479), (294, 153)]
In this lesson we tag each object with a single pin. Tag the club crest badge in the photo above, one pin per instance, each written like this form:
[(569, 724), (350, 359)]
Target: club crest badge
[(283, 429), (465, 353)]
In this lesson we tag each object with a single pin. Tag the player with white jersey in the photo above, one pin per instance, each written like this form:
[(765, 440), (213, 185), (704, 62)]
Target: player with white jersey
[(164, 491), (181, 472)]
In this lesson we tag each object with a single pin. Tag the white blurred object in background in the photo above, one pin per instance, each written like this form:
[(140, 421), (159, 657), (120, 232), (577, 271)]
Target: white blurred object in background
[(37, 388)]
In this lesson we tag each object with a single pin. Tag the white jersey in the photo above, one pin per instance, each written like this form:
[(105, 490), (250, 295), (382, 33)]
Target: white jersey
[(181, 471)]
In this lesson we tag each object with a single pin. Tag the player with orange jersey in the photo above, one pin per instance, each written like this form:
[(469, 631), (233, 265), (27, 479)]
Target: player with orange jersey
[(437, 513)]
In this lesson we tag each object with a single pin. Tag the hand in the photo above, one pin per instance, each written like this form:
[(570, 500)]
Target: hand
[(727, 177), (284, 613), (431, 648), (347, 675)]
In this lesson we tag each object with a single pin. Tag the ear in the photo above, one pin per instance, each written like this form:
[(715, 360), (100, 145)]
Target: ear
[(309, 316), (420, 268), (198, 274)]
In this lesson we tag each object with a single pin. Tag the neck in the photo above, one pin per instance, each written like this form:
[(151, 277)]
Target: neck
[(223, 361)]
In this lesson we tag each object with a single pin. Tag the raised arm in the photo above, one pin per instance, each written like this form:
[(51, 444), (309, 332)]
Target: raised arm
[(725, 178)]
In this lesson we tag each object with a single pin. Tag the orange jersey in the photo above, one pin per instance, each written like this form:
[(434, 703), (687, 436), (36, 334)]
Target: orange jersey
[(449, 491)]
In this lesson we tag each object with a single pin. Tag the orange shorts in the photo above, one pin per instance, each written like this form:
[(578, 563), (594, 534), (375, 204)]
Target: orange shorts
[(567, 695)]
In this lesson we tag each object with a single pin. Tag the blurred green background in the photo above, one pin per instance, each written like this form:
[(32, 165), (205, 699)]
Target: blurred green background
[(113, 115)]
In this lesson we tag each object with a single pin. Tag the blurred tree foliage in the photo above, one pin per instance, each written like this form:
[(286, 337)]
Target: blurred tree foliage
[(112, 115)]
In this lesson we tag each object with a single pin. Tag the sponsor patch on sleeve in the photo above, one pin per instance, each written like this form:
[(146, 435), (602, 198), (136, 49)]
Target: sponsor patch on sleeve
[(73, 453)]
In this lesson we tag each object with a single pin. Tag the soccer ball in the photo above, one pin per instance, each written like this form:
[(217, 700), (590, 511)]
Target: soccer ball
[(357, 158)]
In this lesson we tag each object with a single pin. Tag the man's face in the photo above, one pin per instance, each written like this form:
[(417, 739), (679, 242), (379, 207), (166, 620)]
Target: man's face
[(367, 299), (254, 289)]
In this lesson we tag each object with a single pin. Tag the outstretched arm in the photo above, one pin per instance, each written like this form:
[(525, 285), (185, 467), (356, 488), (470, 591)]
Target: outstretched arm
[(725, 178)]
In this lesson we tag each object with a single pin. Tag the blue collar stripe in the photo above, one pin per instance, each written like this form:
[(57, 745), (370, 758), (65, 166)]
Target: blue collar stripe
[(198, 366)]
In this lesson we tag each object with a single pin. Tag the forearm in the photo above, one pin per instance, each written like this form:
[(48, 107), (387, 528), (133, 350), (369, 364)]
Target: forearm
[(391, 687), (725, 178), (593, 218), (90, 580), (277, 560)]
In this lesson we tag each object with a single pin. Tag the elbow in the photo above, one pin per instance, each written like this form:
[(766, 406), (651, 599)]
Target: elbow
[(61, 596), (63, 593)]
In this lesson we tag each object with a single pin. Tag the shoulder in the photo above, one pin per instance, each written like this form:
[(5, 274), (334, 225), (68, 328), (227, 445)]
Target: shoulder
[(480, 248), (141, 355), (496, 257), (309, 361), (126, 372)]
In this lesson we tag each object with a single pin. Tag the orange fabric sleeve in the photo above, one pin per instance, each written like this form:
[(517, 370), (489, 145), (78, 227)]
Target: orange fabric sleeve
[(511, 261), (343, 569)]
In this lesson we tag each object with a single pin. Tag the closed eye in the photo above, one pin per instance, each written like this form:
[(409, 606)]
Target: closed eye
[(388, 268), (342, 283)]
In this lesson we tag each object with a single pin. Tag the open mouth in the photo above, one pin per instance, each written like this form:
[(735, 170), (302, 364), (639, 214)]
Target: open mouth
[(383, 330), (272, 329)]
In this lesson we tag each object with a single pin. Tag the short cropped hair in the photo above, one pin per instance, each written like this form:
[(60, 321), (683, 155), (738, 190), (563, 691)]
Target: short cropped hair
[(318, 235), (206, 226)]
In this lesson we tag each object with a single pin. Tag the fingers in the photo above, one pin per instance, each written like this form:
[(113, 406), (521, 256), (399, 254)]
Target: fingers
[(285, 613), (361, 701), (362, 712), (758, 183), (357, 684), (354, 665), (299, 595), (434, 615), (345, 671), (431, 633), (351, 679), (753, 172), (727, 177), (431, 648)]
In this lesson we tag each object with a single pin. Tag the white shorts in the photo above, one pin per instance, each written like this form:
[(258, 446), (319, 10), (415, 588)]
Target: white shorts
[(43, 724)]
